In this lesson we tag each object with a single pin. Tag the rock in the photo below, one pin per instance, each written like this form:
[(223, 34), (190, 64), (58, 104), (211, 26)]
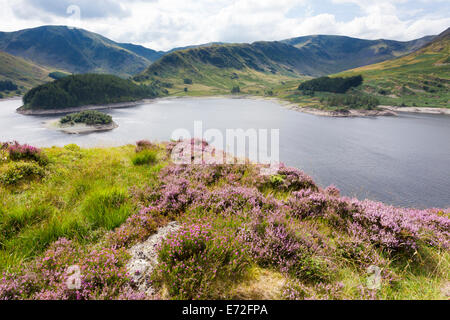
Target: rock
[(144, 258)]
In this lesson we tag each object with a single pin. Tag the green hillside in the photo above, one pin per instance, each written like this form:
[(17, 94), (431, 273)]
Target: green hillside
[(339, 53), (196, 46), (267, 66), (76, 51), (23, 73), (217, 69), (149, 54), (419, 79)]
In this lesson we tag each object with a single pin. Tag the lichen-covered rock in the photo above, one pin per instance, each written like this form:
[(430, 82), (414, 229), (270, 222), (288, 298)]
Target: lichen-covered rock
[(144, 258)]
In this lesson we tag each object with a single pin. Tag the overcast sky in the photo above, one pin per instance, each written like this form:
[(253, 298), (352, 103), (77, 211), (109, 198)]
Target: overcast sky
[(165, 24)]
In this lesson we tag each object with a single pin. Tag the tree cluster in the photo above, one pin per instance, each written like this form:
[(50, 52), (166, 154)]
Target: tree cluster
[(352, 101), (87, 89), (89, 117), (7, 85), (327, 84)]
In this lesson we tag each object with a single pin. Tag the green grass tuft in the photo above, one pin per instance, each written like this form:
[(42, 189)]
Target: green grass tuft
[(106, 209), (145, 157)]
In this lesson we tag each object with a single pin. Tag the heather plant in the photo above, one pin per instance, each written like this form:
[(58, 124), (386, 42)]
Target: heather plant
[(239, 174), (194, 151), (4, 145), (381, 225), (142, 145), (357, 252), (400, 228), (175, 196), (18, 152), (307, 203), (195, 262), (138, 227), (294, 248), (296, 290), (235, 201), (289, 179), (102, 274), (232, 218)]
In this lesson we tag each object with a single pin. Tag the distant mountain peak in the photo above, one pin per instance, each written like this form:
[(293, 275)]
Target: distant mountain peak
[(77, 50)]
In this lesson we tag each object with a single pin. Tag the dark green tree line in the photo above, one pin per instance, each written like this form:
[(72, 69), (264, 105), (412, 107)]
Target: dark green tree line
[(327, 84), (87, 89)]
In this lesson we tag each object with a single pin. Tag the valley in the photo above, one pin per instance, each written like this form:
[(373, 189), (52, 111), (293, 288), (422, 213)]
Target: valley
[(412, 74), (128, 173)]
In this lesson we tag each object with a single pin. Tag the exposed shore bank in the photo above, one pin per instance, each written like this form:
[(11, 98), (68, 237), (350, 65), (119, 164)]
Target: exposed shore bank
[(79, 128), (318, 112), (41, 112), (386, 110), (444, 111), (10, 98), (352, 113)]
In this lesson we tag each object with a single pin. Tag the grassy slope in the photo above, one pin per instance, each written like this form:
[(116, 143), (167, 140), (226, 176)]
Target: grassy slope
[(269, 68), (22, 72), (76, 50), (81, 183), (215, 69), (338, 53), (215, 81), (403, 79), (37, 213), (419, 79)]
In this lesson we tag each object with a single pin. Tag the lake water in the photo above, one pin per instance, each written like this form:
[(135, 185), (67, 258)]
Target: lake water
[(401, 160)]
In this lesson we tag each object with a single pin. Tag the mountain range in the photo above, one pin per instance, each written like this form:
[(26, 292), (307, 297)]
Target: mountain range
[(77, 51), (218, 67), (312, 55), (73, 50), (337, 53)]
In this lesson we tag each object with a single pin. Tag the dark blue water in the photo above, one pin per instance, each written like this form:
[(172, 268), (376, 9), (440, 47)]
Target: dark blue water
[(401, 160)]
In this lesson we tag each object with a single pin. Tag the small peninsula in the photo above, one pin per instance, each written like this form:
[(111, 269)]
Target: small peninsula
[(85, 91), (84, 122)]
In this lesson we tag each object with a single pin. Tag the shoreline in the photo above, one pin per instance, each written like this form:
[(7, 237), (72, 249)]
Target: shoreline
[(386, 111), (11, 98), (79, 128), (295, 107), (424, 110), (335, 114), (117, 105)]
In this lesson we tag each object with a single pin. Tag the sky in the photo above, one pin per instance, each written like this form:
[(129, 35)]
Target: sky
[(166, 24)]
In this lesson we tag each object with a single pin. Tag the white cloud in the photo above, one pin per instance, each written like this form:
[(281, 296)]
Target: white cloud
[(91, 9), (165, 24)]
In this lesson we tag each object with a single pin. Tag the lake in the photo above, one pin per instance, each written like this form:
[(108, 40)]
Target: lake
[(401, 160)]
